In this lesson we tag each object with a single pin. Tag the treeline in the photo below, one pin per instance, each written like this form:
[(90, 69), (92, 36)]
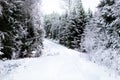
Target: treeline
[(20, 30), (102, 35), (97, 34), (69, 27)]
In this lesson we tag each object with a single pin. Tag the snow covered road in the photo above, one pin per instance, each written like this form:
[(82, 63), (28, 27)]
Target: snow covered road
[(57, 63)]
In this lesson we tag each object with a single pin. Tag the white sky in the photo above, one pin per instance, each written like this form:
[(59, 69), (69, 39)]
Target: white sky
[(50, 6), (92, 4)]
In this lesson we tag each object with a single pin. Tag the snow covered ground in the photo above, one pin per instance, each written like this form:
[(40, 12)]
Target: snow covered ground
[(57, 63)]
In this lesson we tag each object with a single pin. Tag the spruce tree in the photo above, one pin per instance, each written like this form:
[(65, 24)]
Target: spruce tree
[(102, 36), (20, 29), (77, 21)]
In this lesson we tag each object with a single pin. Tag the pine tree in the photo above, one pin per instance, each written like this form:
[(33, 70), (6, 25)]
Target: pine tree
[(51, 25), (69, 27), (63, 29), (20, 29), (102, 36), (77, 21), (89, 14)]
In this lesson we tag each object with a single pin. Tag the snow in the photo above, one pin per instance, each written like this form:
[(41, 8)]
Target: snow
[(0, 10), (34, 52), (57, 63), (1, 53)]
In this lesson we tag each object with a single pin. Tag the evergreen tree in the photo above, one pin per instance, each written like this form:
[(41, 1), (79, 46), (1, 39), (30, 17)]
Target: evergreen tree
[(67, 28), (75, 28), (63, 29), (102, 36), (89, 14), (51, 25), (20, 29)]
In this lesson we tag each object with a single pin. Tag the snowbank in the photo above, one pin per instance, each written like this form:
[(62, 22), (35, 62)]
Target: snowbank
[(58, 63)]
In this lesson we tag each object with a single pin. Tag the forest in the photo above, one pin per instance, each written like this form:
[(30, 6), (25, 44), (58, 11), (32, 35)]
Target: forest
[(97, 34), (23, 29)]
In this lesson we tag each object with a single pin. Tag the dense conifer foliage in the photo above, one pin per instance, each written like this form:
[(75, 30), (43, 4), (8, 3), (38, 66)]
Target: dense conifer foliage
[(102, 35), (20, 30), (97, 34), (69, 27)]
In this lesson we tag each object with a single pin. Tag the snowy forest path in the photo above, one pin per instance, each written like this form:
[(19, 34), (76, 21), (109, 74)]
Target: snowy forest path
[(58, 63)]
